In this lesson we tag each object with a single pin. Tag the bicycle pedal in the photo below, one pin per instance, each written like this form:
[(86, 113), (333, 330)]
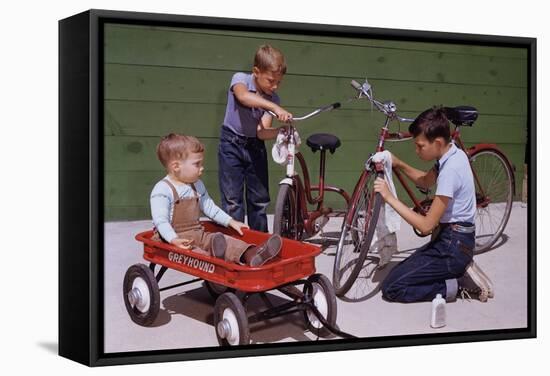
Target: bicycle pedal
[(320, 223)]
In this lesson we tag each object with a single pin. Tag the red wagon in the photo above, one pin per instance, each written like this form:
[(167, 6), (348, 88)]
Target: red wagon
[(294, 266)]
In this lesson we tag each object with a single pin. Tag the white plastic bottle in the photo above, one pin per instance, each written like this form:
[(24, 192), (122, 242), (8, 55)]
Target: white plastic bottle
[(438, 312)]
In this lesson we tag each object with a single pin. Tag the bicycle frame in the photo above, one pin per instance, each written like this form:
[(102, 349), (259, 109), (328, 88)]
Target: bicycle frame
[(385, 135), (455, 135)]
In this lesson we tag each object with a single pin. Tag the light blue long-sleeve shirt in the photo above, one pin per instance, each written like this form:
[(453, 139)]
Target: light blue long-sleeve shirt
[(162, 206)]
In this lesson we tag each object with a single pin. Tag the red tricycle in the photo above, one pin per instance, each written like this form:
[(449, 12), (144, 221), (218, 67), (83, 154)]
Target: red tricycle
[(295, 262)]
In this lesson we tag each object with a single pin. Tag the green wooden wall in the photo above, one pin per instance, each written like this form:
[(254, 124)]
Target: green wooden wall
[(161, 80)]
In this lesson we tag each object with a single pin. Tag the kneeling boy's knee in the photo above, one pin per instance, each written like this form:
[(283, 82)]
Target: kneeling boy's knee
[(392, 292)]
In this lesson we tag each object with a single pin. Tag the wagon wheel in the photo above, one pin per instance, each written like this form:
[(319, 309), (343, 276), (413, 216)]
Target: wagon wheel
[(324, 299), (215, 289), (231, 321), (141, 294)]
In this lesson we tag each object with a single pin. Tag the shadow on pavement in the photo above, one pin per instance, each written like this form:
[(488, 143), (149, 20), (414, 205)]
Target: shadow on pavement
[(370, 278), (52, 347), (197, 304), (279, 328), (499, 243), (326, 240)]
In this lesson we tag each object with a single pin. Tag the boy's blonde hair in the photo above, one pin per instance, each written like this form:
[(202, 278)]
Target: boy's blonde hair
[(270, 59), (177, 146)]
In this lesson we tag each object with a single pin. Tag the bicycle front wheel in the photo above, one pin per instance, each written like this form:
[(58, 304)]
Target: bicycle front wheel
[(357, 233), (494, 193)]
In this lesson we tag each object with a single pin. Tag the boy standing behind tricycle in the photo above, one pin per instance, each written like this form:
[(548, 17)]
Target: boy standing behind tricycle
[(178, 199), (242, 156)]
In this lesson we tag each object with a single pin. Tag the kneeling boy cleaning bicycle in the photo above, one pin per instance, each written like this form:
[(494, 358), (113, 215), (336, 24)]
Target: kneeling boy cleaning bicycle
[(445, 265)]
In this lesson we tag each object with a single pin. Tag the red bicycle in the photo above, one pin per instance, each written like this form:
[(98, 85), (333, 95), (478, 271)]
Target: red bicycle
[(493, 177)]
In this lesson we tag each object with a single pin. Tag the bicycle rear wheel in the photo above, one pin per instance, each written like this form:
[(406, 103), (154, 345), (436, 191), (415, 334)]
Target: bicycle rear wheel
[(494, 195), (285, 221), (357, 233)]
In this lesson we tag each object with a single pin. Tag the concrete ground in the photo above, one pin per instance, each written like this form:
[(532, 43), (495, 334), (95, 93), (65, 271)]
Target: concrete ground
[(186, 316)]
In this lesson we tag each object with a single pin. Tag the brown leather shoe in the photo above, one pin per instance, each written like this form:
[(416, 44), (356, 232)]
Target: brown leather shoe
[(259, 255), (219, 245)]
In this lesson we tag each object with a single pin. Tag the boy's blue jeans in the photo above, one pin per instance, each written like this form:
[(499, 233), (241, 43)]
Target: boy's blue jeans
[(242, 163), (433, 269)]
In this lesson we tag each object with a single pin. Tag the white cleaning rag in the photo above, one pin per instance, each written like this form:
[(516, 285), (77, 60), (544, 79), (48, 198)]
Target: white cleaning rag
[(384, 241), (279, 152)]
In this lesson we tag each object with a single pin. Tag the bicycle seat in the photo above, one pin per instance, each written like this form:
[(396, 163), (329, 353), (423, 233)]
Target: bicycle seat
[(323, 141), (461, 115)]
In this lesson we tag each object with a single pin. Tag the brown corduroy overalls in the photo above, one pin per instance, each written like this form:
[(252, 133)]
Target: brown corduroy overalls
[(186, 224)]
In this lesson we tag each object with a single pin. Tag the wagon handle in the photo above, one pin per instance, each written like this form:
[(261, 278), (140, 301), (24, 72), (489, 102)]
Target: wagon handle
[(326, 324)]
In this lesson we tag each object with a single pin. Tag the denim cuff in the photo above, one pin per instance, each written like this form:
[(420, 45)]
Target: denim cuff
[(452, 289)]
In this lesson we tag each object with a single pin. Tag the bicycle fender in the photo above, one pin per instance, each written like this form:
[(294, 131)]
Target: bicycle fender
[(483, 146), (287, 181)]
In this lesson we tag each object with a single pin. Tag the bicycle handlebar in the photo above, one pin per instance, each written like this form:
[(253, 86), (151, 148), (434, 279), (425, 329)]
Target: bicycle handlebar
[(356, 85), (387, 108), (404, 119), (330, 107)]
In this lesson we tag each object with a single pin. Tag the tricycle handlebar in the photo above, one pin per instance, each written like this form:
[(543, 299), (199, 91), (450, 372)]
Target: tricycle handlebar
[(330, 107)]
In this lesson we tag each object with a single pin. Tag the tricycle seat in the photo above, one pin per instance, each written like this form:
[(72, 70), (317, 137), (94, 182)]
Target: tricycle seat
[(323, 141)]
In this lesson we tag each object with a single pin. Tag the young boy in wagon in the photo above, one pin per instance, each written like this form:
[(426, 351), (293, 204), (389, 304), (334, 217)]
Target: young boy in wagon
[(445, 265), (178, 199)]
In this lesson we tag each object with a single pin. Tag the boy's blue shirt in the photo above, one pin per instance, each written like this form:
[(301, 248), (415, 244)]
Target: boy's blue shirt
[(244, 120), (162, 206), (456, 181)]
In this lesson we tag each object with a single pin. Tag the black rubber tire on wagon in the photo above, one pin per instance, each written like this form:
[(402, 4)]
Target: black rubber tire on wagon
[(231, 321), (324, 299), (141, 294), (215, 289)]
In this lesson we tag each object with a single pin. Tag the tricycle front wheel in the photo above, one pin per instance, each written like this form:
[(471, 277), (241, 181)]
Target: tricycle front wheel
[(287, 221)]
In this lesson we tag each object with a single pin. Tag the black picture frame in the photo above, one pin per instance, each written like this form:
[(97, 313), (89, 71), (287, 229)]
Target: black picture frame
[(81, 226)]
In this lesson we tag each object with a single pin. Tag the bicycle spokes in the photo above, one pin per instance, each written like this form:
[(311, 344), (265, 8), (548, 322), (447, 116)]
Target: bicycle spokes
[(362, 217), (356, 236), (494, 190)]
